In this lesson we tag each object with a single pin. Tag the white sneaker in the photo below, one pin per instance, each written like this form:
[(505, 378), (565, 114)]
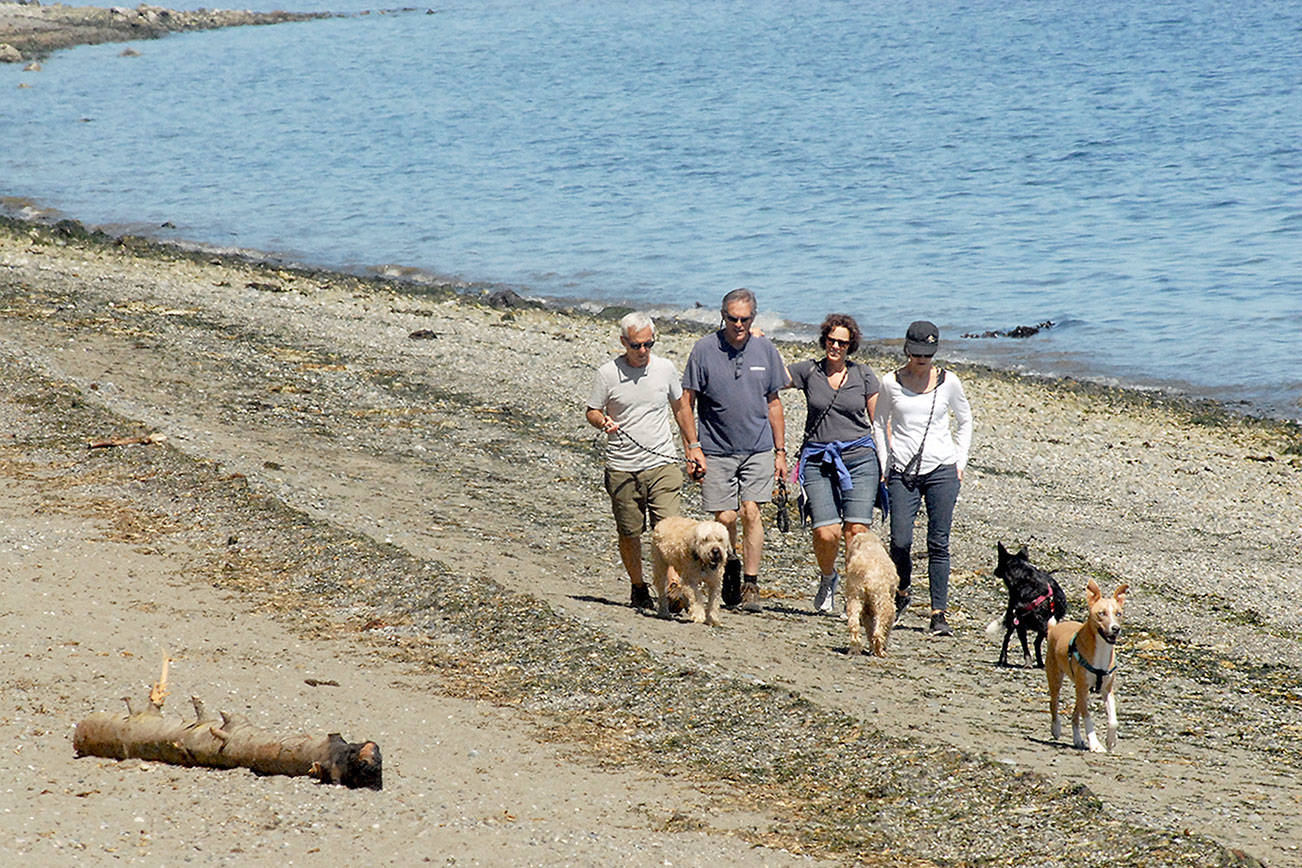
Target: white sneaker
[(825, 599)]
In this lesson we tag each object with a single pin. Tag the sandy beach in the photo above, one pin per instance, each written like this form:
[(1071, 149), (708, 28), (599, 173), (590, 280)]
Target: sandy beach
[(374, 507), (392, 487)]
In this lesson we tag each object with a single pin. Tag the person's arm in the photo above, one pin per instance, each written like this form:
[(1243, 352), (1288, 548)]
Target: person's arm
[(881, 416), (685, 414), (962, 410), (779, 424)]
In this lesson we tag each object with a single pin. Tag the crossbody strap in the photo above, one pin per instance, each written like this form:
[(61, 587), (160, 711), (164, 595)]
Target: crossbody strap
[(922, 444)]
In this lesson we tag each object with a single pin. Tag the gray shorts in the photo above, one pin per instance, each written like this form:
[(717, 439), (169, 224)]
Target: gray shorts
[(733, 479)]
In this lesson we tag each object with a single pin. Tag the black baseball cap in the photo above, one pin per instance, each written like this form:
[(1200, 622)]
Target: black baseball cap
[(922, 338)]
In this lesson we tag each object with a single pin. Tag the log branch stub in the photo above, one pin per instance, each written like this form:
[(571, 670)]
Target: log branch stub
[(235, 743)]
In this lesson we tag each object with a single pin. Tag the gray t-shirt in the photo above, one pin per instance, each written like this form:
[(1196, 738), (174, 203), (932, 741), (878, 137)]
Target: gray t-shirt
[(848, 417), (638, 399), (732, 393)]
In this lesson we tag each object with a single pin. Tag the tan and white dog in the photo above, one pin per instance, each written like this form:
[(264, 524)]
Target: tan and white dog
[(697, 550), (1088, 653), (870, 585)]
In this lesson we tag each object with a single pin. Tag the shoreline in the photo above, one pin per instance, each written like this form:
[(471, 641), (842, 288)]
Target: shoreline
[(32, 32), (381, 489), (416, 281)]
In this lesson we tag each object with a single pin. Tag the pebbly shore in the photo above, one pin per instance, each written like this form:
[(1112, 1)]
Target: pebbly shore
[(30, 31), (395, 483)]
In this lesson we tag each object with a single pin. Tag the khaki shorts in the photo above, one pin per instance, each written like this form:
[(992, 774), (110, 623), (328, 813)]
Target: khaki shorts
[(731, 479), (637, 494)]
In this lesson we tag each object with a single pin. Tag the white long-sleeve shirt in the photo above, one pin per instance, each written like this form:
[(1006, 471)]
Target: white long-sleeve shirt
[(902, 418)]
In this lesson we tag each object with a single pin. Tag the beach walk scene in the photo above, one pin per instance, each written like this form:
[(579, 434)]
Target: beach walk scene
[(300, 312)]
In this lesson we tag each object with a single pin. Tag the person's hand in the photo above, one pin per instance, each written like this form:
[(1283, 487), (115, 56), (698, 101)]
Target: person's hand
[(696, 464), (780, 465), (960, 474), (610, 426)]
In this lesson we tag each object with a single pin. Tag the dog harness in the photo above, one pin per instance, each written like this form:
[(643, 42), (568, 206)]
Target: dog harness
[(1100, 673), (1031, 607)]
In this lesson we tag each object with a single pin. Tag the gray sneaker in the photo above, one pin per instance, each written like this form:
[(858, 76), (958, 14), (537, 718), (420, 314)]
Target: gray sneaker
[(750, 597), (825, 599), (939, 626)]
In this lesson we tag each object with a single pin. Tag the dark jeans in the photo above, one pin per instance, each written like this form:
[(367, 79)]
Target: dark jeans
[(939, 489)]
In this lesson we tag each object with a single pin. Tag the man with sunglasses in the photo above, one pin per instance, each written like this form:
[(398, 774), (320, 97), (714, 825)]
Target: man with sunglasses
[(630, 401), (731, 380)]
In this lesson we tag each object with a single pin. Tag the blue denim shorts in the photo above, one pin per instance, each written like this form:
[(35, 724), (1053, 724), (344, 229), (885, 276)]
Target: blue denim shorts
[(827, 504)]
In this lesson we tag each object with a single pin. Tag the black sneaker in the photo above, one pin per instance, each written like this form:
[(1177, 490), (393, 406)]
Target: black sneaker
[(901, 606), (642, 598), (939, 627), (731, 591)]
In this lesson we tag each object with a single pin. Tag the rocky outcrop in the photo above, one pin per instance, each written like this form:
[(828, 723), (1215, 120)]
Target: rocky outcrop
[(29, 30)]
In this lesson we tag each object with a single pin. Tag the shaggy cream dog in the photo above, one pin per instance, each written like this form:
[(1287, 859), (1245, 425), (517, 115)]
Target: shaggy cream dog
[(870, 583), (697, 550)]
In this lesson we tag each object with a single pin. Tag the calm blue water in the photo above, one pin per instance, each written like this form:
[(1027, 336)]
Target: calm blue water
[(1132, 172)]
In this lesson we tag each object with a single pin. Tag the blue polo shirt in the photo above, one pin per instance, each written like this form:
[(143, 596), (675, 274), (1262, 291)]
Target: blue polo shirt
[(732, 393)]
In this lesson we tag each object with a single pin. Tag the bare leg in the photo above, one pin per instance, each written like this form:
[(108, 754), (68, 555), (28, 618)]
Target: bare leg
[(827, 542), (728, 518), (752, 541), (630, 552)]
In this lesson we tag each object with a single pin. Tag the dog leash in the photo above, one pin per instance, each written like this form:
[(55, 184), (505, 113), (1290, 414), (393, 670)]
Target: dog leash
[(1100, 673), (780, 500), (599, 447)]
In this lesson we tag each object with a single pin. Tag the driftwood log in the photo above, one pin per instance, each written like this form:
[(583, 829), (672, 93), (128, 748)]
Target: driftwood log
[(227, 741)]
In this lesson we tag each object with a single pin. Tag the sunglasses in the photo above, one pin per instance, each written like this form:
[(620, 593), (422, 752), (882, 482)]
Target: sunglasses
[(645, 345), (738, 320), (837, 342)]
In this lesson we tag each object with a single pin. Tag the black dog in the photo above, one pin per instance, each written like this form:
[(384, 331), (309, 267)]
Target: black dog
[(1034, 602)]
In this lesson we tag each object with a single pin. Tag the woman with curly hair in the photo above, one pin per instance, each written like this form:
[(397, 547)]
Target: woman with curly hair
[(839, 472)]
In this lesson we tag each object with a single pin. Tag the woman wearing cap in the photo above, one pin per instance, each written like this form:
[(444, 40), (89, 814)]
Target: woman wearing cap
[(838, 472), (924, 460)]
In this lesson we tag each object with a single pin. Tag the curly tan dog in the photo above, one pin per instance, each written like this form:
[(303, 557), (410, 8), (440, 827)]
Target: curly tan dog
[(697, 550), (870, 583)]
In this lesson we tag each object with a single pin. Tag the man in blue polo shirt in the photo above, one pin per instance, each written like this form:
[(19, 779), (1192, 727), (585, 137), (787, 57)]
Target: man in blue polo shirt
[(732, 380)]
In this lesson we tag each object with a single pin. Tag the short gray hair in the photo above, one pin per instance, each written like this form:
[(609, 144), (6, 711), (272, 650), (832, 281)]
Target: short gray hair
[(740, 294), (635, 322)]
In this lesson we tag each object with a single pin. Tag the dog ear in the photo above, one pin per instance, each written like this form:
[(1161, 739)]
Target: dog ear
[(1092, 593), (1024, 554), (1003, 552), (1120, 594)]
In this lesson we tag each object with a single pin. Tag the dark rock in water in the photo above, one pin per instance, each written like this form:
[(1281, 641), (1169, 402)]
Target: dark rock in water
[(507, 299), (1021, 331), (74, 229), (266, 287), (423, 335)]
